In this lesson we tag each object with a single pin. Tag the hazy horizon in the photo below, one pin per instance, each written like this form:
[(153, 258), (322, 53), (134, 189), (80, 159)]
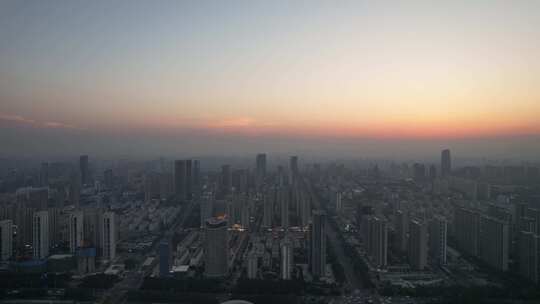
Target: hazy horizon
[(389, 79)]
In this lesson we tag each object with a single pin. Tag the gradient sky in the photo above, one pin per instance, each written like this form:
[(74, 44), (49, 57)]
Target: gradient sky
[(418, 70)]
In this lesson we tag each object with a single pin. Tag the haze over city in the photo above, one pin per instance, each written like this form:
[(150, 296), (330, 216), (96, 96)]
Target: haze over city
[(353, 78), (263, 152)]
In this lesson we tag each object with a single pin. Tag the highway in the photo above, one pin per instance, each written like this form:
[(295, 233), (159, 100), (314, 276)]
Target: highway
[(352, 279)]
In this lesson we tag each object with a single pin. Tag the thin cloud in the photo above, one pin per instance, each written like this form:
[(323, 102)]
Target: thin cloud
[(16, 118), (38, 124)]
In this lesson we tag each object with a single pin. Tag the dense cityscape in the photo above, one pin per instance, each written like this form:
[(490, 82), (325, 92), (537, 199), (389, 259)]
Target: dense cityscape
[(269, 152), (269, 231)]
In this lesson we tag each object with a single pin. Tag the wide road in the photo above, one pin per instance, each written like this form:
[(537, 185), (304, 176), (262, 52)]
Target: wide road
[(354, 281)]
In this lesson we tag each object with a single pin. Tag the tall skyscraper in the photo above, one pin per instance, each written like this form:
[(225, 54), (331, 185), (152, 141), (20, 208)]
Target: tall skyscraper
[(432, 172), (378, 241), (207, 207), (419, 171), (83, 169), (196, 178), (417, 245), (293, 166), (305, 208), (55, 229), (226, 179), (260, 172), (93, 218), (164, 259), (494, 242), (6, 239), (437, 239), (283, 195), (109, 236), (40, 234), (529, 255), (318, 244), (268, 209), (402, 230), (337, 200), (216, 248), (75, 189), (467, 230), (180, 178), (286, 259), (189, 179), (76, 230), (446, 163)]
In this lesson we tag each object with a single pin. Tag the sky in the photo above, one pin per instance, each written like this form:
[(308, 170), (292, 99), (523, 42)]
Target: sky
[(204, 77)]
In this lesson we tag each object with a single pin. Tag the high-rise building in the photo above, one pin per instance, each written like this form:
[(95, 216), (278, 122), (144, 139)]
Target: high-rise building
[(535, 215), (293, 166), (93, 218), (164, 259), (226, 179), (529, 256), (109, 236), (467, 230), (338, 202), (432, 172), (417, 245), (240, 181), (283, 194), (318, 244), (196, 178), (40, 233), (55, 221), (268, 209), (6, 240), (260, 172), (75, 189), (378, 241), (23, 218), (189, 179), (402, 230), (244, 215), (216, 248), (446, 163), (83, 169), (419, 172), (76, 230), (519, 211), (305, 208), (286, 259), (494, 242), (207, 207), (437, 239), (180, 179)]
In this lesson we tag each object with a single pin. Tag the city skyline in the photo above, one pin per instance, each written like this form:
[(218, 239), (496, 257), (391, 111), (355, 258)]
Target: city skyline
[(369, 78)]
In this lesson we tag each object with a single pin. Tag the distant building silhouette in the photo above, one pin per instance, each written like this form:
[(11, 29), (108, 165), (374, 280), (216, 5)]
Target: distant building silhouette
[(83, 168), (446, 163), (318, 244), (260, 172), (180, 178)]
